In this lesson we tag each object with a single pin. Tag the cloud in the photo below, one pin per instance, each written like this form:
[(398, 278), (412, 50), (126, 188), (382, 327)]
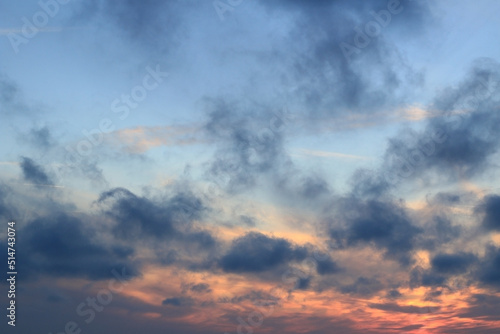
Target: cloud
[(60, 245), (368, 184), (167, 225), (138, 217), (250, 141), (363, 286), (445, 266), (247, 220), (447, 198), (482, 306), (13, 103), (439, 231), (313, 186), (256, 297), (384, 225), (256, 252), (200, 288), (327, 266), (452, 264), (392, 307), (41, 137), (11, 99), (329, 82), (421, 277), (34, 173), (247, 146), (489, 268), (394, 294), (179, 301), (5, 209), (325, 154), (460, 143), (141, 139), (489, 208)]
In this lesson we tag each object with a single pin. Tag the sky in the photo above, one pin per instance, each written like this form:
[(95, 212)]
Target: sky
[(251, 166)]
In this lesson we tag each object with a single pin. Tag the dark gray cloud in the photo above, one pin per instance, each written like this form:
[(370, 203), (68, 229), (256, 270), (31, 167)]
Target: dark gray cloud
[(200, 288), (166, 224), (488, 272), (60, 245), (421, 277), (303, 283), (490, 210), (446, 266), (453, 264), (256, 252), (137, 217), (34, 173), (392, 307), (384, 225), (393, 294), (326, 266), (179, 301)]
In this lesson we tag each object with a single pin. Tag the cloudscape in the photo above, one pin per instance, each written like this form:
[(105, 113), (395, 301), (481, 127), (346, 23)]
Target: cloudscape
[(250, 166)]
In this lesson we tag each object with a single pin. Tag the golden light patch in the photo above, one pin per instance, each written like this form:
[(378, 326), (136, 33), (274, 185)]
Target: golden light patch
[(415, 113), (416, 205), (468, 185), (423, 258), (495, 237)]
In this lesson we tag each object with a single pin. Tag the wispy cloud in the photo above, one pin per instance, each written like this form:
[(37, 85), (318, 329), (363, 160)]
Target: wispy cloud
[(327, 154), (42, 185), (143, 138), (7, 31)]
